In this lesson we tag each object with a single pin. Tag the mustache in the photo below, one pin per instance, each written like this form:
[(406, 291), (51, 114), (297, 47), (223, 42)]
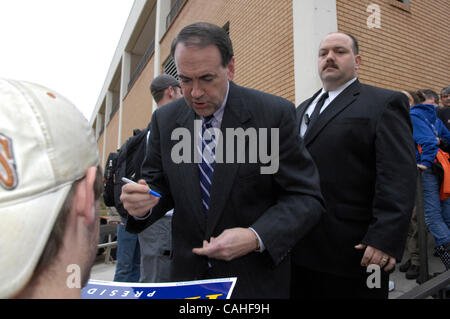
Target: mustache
[(330, 64)]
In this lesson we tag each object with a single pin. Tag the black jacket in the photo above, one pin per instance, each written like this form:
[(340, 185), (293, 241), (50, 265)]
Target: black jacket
[(281, 207), (363, 147)]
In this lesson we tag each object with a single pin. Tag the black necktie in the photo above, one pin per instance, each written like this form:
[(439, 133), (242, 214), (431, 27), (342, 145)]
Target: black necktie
[(315, 115)]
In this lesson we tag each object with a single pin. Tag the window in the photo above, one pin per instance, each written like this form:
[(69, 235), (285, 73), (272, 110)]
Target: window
[(170, 68), (176, 7), (142, 63), (401, 4)]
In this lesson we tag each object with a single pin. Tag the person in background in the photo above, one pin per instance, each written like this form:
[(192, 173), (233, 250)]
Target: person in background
[(360, 138), (444, 112), (445, 96), (156, 240), (411, 267), (50, 186), (431, 97), (430, 134), (413, 97)]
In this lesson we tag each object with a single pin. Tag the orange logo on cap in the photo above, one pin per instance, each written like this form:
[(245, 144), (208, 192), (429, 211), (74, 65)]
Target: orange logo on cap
[(8, 173)]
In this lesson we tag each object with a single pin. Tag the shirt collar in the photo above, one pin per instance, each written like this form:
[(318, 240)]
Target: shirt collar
[(333, 94)]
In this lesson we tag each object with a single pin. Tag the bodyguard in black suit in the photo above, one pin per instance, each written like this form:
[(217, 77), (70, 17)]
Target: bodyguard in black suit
[(363, 147), (230, 220)]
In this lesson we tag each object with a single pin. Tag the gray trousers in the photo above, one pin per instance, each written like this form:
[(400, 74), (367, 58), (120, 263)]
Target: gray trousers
[(156, 244), (412, 242)]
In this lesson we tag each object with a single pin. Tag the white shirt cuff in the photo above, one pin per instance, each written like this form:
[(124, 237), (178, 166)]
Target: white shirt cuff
[(261, 244)]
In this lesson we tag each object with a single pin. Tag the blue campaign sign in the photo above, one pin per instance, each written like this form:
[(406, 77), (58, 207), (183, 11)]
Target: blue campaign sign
[(201, 289)]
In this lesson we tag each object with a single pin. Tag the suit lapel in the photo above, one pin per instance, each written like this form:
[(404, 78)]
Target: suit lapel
[(188, 172), (235, 115), (301, 109), (341, 102)]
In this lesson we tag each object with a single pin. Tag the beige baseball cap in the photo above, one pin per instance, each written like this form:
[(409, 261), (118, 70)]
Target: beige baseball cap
[(45, 145)]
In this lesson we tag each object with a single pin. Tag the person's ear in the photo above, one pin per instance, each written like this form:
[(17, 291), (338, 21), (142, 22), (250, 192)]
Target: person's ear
[(358, 61), (170, 92), (84, 198), (230, 69)]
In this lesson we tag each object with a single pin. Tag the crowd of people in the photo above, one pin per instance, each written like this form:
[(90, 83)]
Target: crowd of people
[(341, 199), (430, 129)]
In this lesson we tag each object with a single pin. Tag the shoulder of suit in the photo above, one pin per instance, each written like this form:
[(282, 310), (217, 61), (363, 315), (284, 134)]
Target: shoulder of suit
[(378, 91), (383, 97), (169, 108), (262, 98)]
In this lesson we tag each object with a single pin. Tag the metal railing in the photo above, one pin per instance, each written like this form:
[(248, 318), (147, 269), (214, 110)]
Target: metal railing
[(110, 231), (434, 287)]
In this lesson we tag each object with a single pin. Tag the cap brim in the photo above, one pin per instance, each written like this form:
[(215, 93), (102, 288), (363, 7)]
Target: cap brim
[(26, 225)]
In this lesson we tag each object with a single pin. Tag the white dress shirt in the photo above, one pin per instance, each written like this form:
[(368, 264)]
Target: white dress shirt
[(331, 96)]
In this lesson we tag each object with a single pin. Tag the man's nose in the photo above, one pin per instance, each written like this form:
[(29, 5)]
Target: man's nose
[(197, 91), (330, 56)]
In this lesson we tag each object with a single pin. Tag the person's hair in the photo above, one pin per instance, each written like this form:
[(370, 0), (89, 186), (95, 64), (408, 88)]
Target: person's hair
[(55, 239), (158, 95), (203, 34), (414, 96), (445, 90), (355, 43), (430, 94), (420, 97)]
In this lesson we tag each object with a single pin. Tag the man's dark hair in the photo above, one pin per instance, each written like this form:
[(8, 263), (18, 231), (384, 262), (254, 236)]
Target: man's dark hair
[(160, 84), (420, 96), (158, 95), (416, 98), (445, 91), (355, 43), (430, 94), (202, 34)]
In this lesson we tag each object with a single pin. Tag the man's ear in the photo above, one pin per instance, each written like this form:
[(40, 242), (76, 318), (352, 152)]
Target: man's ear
[(358, 61), (230, 69), (170, 92), (84, 198)]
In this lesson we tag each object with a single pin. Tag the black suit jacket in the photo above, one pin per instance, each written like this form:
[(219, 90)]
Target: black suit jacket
[(281, 207), (363, 147)]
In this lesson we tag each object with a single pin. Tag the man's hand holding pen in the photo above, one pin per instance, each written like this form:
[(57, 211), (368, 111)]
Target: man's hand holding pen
[(137, 198)]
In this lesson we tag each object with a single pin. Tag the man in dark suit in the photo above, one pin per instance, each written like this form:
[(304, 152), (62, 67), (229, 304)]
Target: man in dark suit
[(231, 218), (360, 138)]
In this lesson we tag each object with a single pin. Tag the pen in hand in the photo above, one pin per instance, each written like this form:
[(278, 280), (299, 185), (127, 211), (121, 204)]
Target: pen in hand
[(126, 180)]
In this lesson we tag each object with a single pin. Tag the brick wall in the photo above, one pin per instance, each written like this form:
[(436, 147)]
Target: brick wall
[(137, 105), (112, 133), (409, 51), (261, 32)]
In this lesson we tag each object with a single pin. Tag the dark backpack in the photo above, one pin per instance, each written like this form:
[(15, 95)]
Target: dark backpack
[(108, 179), (128, 164)]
